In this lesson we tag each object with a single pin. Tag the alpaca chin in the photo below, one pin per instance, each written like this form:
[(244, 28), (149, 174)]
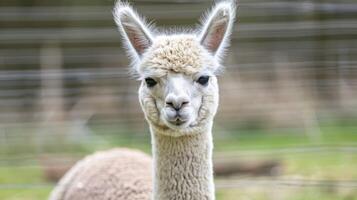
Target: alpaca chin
[(180, 132)]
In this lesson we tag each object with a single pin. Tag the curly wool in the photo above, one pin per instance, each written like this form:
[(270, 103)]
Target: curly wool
[(119, 174), (183, 167), (178, 53)]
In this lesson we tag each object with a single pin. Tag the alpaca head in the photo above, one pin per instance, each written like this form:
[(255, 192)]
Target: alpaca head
[(178, 91)]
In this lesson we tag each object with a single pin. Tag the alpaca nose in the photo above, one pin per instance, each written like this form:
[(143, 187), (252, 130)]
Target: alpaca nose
[(176, 102)]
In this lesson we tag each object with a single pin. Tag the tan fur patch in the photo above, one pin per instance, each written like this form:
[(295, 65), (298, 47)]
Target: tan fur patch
[(177, 53)]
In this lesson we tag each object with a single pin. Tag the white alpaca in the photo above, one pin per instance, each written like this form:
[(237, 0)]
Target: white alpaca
[(179, 97)]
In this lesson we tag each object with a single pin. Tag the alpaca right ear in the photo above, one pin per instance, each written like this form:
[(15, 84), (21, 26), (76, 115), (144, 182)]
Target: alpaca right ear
[(218, 26), (136, 34)]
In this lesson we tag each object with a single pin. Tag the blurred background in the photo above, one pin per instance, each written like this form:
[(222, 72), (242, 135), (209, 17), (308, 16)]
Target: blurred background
[(287, 122)]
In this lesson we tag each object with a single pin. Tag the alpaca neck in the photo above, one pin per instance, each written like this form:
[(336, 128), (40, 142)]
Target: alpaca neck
[(183, 167)]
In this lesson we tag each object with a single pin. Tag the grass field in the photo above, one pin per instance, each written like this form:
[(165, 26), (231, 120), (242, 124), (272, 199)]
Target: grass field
[(331, 159)]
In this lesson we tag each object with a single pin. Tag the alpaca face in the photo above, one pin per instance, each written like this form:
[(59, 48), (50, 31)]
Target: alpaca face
[(179, 90), (174, 97), (179, 102)]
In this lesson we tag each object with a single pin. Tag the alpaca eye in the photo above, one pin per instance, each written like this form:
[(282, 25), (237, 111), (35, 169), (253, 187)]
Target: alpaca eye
[(150, 82), (203, 80)]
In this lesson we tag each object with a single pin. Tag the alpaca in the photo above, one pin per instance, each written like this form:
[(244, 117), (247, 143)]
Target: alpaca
[(179, 97)]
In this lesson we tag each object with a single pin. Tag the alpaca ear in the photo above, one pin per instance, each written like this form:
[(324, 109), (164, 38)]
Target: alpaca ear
[(217, 27), (134, 30)]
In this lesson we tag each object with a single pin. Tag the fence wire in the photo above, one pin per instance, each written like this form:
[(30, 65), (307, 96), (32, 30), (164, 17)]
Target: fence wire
[(291, 65)]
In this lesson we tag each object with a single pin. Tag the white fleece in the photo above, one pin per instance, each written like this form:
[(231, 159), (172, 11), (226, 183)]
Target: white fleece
[(116, 174)]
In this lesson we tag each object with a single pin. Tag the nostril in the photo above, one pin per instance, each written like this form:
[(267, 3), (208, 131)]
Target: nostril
[(170, 104)]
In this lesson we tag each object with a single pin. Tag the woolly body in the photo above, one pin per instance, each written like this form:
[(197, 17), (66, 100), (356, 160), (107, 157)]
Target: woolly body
[(119, 174)]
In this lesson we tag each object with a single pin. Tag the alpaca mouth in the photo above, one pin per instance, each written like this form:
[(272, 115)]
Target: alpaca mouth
[(179, 122)]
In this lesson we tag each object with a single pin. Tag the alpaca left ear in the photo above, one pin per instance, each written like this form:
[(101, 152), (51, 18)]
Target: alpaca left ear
[(217, 28)]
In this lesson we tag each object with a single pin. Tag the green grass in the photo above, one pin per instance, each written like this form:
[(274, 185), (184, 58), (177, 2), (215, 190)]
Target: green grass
[(271, 193), (23, 183), (20, 175), (25, 194), (273, 139), (326, 166)]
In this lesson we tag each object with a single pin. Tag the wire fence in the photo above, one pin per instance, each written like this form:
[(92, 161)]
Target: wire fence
[(292, 65), (228, 184)]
